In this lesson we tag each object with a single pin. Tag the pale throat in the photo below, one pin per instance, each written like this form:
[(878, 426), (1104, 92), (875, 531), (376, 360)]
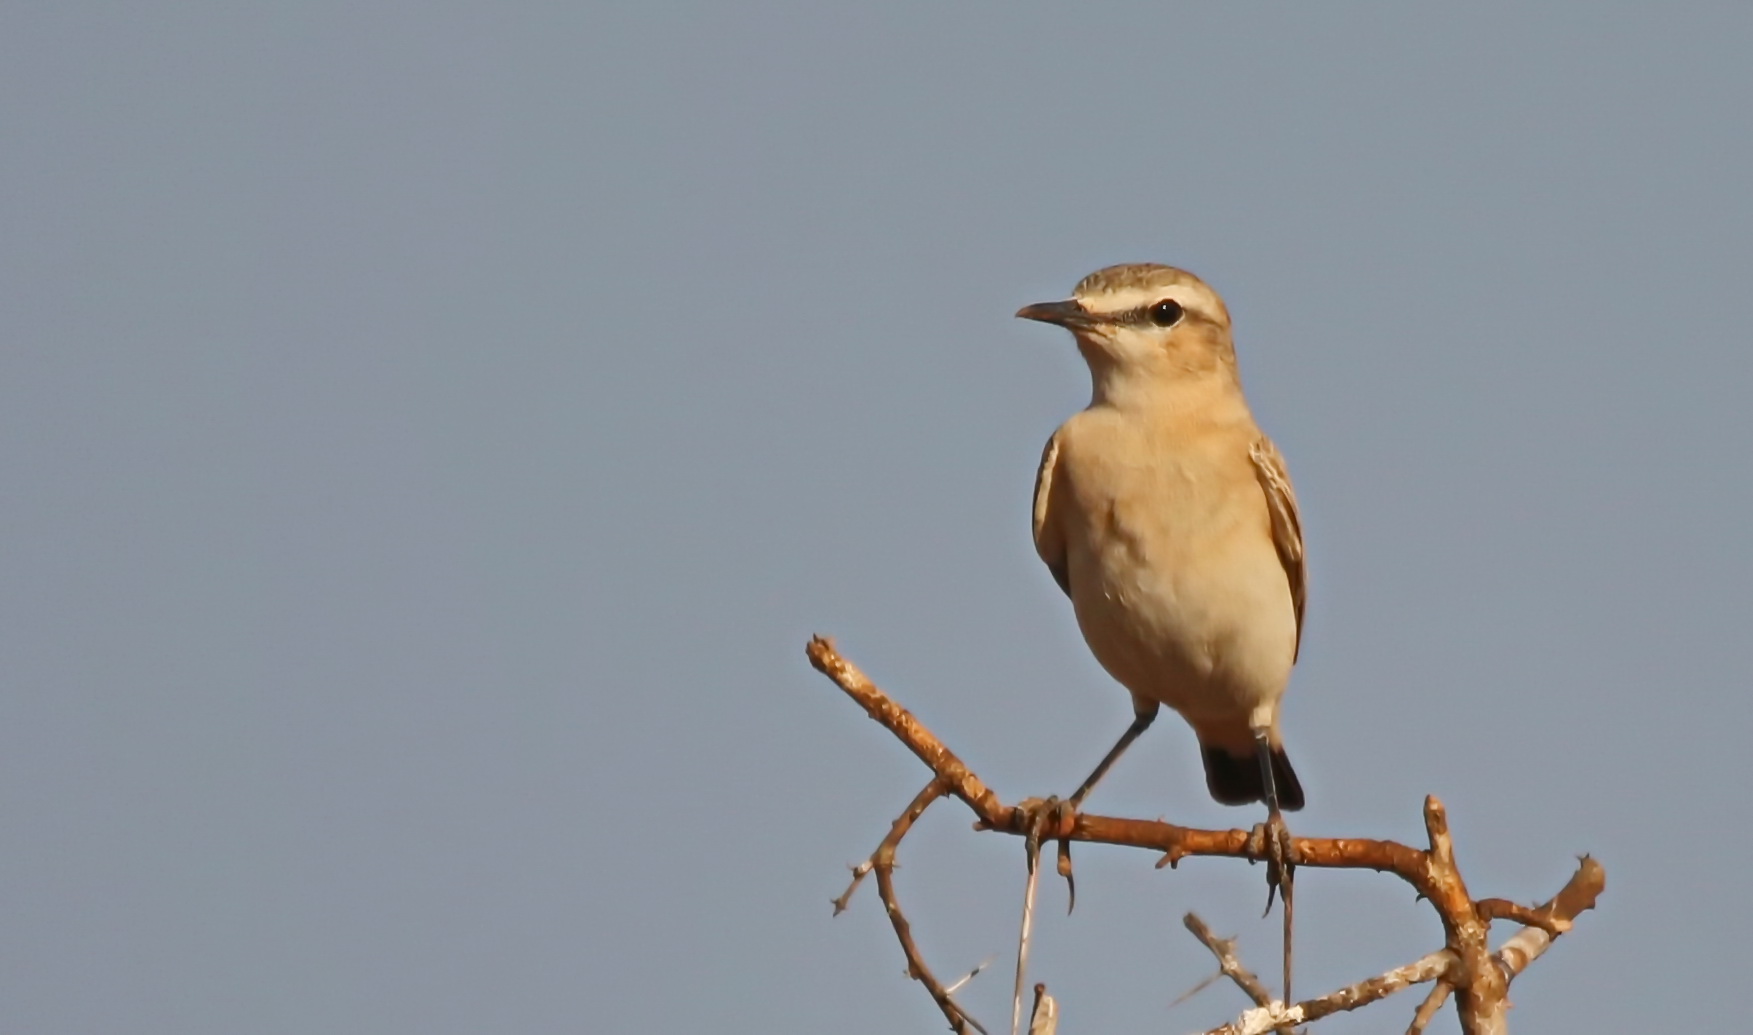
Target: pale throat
[(1159, 386)]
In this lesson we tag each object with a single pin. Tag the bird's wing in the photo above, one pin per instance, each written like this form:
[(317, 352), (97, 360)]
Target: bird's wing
[(1049, 535), (1287, 525)]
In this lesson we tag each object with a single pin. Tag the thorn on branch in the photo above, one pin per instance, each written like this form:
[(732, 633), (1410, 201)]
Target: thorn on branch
[(858, 874)]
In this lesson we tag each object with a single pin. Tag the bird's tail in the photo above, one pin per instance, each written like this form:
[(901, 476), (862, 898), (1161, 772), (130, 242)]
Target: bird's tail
[(1234, 779)]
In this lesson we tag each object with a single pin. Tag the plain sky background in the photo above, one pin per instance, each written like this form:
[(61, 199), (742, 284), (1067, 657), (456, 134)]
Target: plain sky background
[(430, 433)]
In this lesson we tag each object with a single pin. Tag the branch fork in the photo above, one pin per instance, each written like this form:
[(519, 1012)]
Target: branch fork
[(1466, 967)]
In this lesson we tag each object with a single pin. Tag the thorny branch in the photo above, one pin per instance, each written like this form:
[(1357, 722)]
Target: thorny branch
[(1478, 977), (1578, 894), (882, 863), (1229, 965)]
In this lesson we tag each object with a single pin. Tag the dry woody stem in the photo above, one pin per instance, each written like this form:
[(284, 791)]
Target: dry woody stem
[(1478, 977), (1230, 966)]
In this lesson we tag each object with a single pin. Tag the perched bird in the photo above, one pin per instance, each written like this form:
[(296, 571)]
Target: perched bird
[(1168, 518)]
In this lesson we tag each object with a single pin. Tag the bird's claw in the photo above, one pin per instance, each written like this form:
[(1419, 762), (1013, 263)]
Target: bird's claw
[(1280, 859), (1046, 819), (1053, 818)]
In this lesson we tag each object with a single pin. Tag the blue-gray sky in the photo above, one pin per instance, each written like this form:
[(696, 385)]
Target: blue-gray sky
[(431, 431)]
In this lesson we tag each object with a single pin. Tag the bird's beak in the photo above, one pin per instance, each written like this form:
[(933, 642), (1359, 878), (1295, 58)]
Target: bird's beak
[(1068, 314)]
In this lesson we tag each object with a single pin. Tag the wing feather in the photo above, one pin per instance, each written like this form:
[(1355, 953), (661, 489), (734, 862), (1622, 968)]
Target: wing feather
[(1287, 525), (1049, 536)]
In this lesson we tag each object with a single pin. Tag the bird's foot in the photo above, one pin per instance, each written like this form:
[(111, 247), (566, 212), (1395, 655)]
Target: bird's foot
[(1053, 818), (1044, 818), (1273, 837), (1280, 873)]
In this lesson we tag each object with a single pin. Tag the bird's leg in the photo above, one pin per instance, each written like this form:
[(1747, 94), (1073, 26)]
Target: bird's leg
[(1063, 811), (1279, 866), (1140, 722)]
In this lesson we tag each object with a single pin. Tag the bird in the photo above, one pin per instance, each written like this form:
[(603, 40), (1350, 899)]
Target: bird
[(1168, 518)]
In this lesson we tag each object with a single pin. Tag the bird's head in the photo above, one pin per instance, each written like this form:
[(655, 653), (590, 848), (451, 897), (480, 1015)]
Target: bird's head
[(1144, 320)]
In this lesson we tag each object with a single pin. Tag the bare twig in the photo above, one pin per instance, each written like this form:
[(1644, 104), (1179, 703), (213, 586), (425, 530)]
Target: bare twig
[(882, 863), (1275, 1015), (1227, 962), (1044, 1018), (885, 849), (1577, 896), (1480, 978), (1033, 848), (1426, 1012), (1527, 916), (1204, 983), (859, 872), (955, 986), (960, 1020), (1289, 922), (1176, 842)]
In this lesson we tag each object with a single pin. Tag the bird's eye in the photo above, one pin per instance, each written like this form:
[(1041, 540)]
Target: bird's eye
[(1166, 313)]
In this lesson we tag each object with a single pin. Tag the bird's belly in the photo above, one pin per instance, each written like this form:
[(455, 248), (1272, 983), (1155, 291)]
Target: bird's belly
[(1209, 631)]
